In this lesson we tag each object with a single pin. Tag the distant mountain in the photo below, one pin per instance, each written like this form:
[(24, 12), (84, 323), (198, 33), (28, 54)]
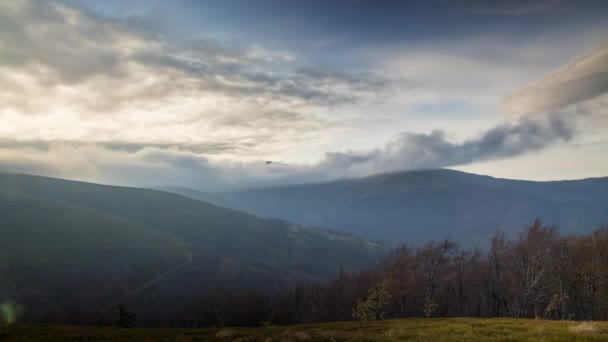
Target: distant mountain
[(415, 206), (68, 248)]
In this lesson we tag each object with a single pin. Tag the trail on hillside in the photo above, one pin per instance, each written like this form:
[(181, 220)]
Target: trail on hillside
[(147, 284)]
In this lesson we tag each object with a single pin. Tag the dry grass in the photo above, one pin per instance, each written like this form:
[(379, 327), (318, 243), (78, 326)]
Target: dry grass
[(444, 330), (224, 333), (587, 328)]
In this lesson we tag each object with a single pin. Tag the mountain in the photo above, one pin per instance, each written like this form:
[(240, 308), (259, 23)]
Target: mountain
[(54, 254), (70, 248), (415, 206)]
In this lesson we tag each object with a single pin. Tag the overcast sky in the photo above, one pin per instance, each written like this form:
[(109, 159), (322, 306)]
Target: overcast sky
[(202, 93)]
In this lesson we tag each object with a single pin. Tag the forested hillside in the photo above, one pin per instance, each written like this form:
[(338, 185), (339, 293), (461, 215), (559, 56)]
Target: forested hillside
[(538, 274)]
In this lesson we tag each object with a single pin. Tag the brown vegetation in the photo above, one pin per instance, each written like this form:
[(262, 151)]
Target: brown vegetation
[(539, 274)]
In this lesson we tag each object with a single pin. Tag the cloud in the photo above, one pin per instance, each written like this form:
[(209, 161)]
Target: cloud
[(131, 147), (424, 151), (71, 75), (91, 98), (181, 165), (581, 80), (65, 46), (516, 7)]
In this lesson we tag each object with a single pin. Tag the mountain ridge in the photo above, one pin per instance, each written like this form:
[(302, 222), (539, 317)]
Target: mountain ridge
[(102, 242), (443, 202)]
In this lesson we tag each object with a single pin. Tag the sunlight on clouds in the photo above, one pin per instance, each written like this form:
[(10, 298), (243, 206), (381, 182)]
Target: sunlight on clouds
[(93, 88), (95, 98), (581, 80), (552, 166)]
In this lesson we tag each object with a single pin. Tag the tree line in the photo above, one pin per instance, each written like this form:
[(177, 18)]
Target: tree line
[(537, 274)]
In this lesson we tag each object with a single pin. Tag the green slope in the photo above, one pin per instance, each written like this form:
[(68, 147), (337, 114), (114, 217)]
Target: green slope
[(60, 257), (208, 228), (110, 235), (445, 330)]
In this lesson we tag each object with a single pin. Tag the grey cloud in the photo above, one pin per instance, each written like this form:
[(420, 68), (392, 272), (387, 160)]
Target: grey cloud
[(238, 77), (146, 167), (77, 46), (270, 120), (130, 147), (198, 148), (515, 7), (95, 67), (178, 160), (419, 151), (197, 67), (35, 34), (162, 164), (362, 80)]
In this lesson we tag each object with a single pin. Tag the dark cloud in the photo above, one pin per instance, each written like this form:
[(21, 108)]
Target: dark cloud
[(130, 147), (515, 7), (421, 151), (351, 23)]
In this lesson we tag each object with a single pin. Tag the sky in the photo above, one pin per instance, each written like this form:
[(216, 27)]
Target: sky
[(202, 93)]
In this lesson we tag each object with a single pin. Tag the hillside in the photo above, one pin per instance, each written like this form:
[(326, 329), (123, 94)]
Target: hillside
[(55, 255), (416, 206), (62, 234)]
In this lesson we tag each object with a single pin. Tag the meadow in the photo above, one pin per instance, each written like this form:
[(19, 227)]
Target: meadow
[(445, 330)]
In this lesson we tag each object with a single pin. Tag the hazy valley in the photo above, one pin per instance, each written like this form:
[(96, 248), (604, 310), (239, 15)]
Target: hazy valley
[(414, 207)]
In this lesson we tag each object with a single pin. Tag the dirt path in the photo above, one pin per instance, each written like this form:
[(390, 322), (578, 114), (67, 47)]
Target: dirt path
[(147, 284)]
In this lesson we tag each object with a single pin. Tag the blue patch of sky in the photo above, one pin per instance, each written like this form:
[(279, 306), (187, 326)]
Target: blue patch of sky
[(330, 26), (342, 34)]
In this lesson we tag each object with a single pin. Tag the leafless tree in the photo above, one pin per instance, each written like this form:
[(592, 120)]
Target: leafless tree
[(433, 257)]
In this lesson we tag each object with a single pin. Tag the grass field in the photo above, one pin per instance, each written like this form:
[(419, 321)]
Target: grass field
[(444, 330)]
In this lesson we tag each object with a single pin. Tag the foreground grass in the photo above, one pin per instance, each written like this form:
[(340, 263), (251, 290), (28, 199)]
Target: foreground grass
[(444, 330)]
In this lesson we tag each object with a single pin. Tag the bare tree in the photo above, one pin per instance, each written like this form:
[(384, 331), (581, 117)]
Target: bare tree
[(529, 262), (433, 258), (495, 275), (464, 265)]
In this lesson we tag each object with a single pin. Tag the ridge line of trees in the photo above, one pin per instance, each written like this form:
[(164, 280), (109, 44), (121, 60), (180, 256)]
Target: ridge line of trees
[(539, 274)]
